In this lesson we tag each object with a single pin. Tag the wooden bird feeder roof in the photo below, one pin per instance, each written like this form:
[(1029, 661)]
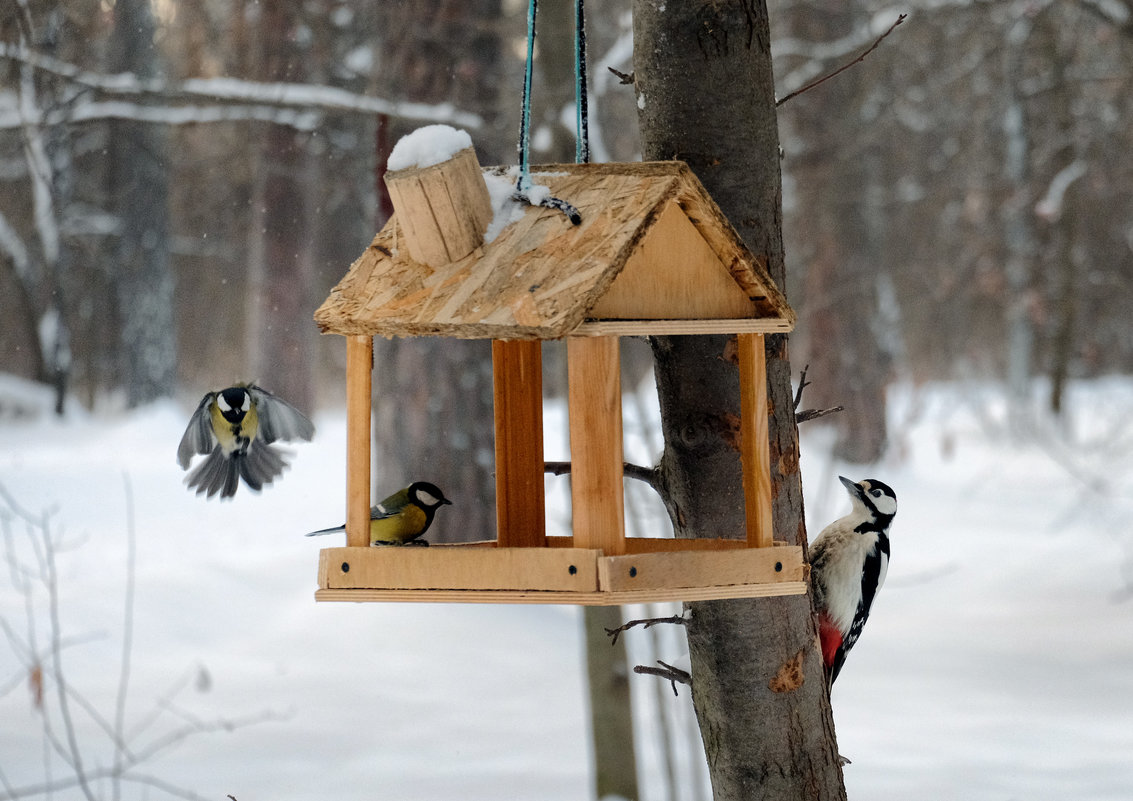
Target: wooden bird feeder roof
[(653, 254)]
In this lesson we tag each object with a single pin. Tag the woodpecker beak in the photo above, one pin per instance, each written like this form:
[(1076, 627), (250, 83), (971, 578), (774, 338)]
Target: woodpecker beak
[(851, 487)]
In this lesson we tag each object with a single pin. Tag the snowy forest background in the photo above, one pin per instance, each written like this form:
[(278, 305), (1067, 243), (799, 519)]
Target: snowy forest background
[(182, 183)]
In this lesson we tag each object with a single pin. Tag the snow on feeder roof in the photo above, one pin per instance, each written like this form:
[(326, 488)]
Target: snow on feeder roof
[(427, 146)]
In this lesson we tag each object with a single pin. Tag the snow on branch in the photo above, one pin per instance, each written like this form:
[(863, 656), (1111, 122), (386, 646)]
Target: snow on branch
[(1115, 12), (1049, 207), (222, 98), (13, 248)]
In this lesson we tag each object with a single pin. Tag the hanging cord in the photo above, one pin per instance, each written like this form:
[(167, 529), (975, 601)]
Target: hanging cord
[(581, 123), (524, 182), (524, 188)]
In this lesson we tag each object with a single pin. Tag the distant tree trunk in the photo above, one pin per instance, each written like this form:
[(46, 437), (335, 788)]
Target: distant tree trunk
[(137, 171), (1062, 248), (1018, 227), (611, 721), (281, 337), (47, 152), (707, 96), (839, 182), (862, 367), (433, 397)]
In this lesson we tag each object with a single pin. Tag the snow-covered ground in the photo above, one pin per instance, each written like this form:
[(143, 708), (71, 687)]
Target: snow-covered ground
[(998, 663)]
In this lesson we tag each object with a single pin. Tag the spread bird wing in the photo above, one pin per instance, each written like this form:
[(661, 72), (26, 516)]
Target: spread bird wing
[(198, 436), (279, 419)]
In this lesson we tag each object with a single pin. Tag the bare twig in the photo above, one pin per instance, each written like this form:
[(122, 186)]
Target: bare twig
[(844, 67), (624, 78), (74, 756), (814, 414), (809, 414), (803, 384), (39, 573), (640, 472), (666, 671), (120, 749), (647, 622)]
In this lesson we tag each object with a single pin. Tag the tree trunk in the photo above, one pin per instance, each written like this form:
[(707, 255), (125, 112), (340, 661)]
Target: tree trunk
[(611, 721), (281, 339), (840, 177), (433, 397), (1019, 232), (706, 93), (137, 172)]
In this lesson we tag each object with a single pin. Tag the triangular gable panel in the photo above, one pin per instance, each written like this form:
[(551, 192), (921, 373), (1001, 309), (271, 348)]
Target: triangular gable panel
[(673, 275)]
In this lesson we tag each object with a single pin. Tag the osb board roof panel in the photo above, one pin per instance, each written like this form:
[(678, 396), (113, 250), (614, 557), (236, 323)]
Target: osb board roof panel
[(541, 275)]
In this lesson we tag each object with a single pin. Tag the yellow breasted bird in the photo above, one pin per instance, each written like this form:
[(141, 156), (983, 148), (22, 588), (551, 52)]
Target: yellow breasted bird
[(234, 428), (402, 517)]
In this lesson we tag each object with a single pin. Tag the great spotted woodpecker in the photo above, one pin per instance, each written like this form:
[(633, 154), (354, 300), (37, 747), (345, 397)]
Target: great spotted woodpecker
[(848, 562)]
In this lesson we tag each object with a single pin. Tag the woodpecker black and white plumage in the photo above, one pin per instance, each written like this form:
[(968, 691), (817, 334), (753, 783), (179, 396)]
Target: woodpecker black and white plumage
[(234, 428), (848, 561)]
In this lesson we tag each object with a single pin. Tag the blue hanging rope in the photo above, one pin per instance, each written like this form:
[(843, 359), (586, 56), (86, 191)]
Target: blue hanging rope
[(581, 124), (523, 184)]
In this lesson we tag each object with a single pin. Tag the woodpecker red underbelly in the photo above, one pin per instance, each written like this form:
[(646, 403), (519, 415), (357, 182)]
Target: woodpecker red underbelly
[(830, 639)]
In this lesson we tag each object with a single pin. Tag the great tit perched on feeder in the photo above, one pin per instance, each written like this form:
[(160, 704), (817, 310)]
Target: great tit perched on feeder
[(402, 517), (235, 427)]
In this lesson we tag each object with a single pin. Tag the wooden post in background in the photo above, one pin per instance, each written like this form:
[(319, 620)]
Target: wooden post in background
[(517, 376), (359, 381), (755, 450), (595, 405)]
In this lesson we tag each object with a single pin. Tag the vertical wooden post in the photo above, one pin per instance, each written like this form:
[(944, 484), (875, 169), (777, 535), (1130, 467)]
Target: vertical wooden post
[(755, 449), (595, 406), (517, 379), (359, 378)]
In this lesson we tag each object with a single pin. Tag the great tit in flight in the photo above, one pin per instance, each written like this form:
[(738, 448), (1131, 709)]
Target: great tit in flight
[(402, 517), (234, 428)]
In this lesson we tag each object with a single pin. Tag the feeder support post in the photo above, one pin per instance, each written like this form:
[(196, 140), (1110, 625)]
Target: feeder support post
[(359, 381), (755, 449), (595, 405), (517, 377)]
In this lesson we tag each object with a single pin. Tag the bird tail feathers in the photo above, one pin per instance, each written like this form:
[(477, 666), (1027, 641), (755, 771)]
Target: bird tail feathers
[(217, 473), (262, 464), (322, 531)]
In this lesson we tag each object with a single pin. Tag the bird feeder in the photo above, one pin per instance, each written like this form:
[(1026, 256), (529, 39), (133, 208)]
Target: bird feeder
[(653, 254)]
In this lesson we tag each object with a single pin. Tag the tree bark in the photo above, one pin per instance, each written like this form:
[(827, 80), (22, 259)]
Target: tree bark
[(433, 397), (706, 93), (611, 721), (281, 340), (139, 192)]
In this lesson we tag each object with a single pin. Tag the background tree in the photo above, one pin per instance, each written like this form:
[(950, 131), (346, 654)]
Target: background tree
[(705, 86), (137, 165), (433, 398)]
